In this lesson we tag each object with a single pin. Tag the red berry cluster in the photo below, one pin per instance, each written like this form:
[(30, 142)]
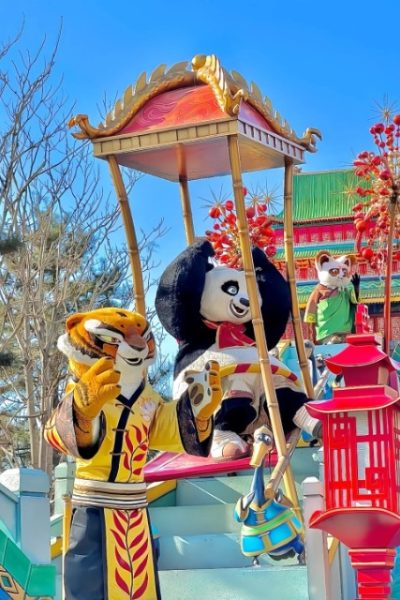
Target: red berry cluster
[(380, 172), (225, 236)]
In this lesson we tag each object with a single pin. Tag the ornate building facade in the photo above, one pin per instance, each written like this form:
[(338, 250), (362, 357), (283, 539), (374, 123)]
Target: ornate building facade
[(323, 220)]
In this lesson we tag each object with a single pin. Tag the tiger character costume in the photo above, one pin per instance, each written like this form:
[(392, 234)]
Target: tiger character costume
[(107, 420)]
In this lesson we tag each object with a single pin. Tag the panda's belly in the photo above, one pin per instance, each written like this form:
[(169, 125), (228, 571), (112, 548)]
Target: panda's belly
[(226, 356)]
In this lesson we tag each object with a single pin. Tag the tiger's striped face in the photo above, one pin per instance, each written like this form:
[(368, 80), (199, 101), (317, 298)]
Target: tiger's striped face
[(122, 335)]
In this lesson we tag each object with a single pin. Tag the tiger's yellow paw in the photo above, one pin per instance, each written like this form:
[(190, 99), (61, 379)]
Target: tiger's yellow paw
[(95, 388)]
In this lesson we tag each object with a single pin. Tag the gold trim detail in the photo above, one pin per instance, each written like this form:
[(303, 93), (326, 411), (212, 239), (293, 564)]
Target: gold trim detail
[(134, 98), (228, 88), (208, 69)]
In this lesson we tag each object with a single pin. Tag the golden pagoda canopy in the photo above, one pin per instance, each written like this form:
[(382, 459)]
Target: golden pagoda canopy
[(174, 124)]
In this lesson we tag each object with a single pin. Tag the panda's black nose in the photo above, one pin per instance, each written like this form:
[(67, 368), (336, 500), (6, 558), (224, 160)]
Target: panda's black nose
[(244, 301)]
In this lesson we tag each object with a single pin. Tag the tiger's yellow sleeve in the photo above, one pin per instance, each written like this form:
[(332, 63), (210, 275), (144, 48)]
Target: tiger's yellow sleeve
[(164, 432)]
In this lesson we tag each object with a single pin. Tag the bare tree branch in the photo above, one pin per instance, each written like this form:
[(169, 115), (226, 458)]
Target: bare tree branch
[(67, 257)]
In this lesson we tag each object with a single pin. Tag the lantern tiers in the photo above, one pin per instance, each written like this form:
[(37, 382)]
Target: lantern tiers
[(360, 527), (361, 440), (363, 350), (360, 398)]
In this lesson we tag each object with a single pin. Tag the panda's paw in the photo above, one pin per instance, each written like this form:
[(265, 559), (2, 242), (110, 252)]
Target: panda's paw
[(205, 391)]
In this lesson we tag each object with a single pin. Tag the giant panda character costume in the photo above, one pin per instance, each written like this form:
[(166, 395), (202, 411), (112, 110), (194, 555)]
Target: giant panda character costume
[(205, 306)]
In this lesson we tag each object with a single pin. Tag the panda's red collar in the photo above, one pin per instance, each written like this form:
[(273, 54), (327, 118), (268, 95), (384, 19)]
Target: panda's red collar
[(230, 334)]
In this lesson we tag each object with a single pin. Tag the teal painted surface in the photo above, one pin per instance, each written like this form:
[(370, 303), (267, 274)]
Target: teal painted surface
[(289, 358), (17, 564), (25, 531), (64, 474), (36, 580), (166, 500), (310, 250), (371, 288), (194, 519), (227, 490), (210, 491), (276, 583), (8, 510), (200, 543), (289, 355), (42, 580), (207, 551)]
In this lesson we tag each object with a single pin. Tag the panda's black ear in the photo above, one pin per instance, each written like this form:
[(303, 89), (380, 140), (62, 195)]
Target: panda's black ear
[(275, 294), (180, 289), (260, 259)]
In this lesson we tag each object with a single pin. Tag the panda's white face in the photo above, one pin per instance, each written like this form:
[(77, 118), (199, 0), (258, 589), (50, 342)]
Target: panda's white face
[(225, 296)]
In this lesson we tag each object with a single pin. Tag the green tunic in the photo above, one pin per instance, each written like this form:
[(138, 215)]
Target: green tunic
[(331, 310), (335, 315)]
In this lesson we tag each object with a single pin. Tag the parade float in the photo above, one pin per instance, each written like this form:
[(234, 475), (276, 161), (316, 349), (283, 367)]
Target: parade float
[(197, 120)]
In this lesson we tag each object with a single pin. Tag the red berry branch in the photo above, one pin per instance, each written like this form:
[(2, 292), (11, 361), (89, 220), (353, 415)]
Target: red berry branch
[(379, 172), (225, 236)]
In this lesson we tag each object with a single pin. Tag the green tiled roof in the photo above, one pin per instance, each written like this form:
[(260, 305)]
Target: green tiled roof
[(324, 195), (310, 250), (371, 290)]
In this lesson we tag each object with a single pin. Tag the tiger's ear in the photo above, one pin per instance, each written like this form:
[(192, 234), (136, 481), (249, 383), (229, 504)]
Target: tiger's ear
[(73, 320)]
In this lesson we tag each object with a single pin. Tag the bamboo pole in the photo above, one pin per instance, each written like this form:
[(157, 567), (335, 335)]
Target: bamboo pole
[(279, 470), (133, 250), (387, 317), (186, 209), (265, 366), (291, 277), (66, 522)]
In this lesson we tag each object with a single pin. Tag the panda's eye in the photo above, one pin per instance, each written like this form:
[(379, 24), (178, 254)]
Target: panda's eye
[(230, 287), (108, 339)]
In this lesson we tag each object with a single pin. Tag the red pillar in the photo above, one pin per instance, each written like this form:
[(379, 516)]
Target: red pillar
[(373, 568)]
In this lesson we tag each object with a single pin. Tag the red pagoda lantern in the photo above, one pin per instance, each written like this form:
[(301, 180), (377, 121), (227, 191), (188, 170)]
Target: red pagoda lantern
[(361, 439)]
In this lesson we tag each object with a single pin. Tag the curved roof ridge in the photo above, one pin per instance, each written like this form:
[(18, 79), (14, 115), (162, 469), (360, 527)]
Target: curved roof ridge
[(229, 90)]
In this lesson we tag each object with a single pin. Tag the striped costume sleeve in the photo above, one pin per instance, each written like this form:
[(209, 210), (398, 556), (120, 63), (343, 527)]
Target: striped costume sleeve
[(59, 430)]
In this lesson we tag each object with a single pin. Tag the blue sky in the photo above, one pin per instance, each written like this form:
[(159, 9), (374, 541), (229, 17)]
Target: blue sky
[(323, 64)]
